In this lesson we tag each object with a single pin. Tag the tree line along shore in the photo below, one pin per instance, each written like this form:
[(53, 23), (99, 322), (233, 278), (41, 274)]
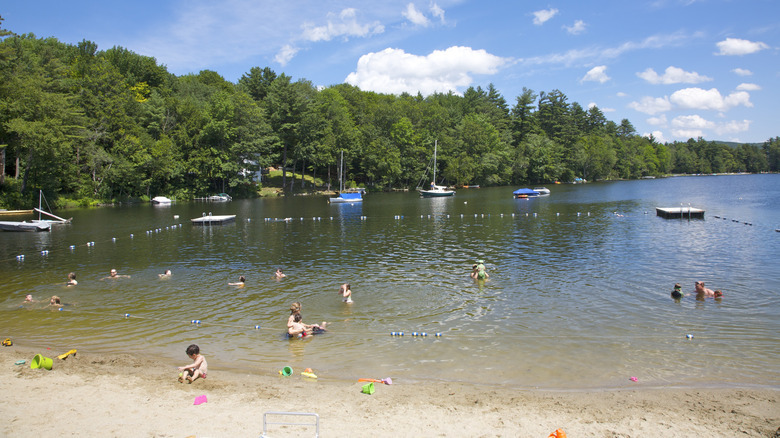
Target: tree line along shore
[(91, 126)]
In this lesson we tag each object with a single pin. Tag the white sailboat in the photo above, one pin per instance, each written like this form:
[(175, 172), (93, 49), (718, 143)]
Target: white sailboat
[(349, 197), (40, 210), (435, 191)]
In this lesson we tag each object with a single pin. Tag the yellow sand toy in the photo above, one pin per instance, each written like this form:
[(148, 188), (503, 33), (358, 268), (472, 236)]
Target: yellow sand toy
[(65, 355), (7, 342)]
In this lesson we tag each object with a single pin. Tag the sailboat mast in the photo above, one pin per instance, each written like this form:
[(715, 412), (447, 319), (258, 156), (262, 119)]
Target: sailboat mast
[(341, 172), (435, 144)]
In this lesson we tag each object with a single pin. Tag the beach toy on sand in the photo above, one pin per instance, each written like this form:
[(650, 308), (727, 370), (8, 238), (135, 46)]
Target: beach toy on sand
[(368, 388), (8, 342), (286, 371), (559, 433), (20, 362), (387, 381), (200, 400), (39, 361), (65, 355), (309, 374), (633, 379)]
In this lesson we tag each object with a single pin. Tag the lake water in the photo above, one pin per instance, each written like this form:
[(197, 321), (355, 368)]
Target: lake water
[(578, 295)]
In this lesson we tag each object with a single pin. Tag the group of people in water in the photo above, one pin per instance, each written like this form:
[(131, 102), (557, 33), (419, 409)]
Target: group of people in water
[(699, 290)]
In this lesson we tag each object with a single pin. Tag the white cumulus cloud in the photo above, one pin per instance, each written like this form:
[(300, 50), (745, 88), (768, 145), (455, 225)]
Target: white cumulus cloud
[(596, 74), (694, 121), (695, 126), (742, 72), (651, 105), (698, 98), (577, 28), (286, 53), (395, 71), (659, 121), (416, 17), (345, 24), (732, 127), (748, 87), (657, 135), (543, 15), (736, 46), (673, 75), (437, 12)]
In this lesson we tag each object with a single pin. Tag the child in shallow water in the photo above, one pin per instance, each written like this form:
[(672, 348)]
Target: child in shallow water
[(677, 292), (346, 293), (197, 369)]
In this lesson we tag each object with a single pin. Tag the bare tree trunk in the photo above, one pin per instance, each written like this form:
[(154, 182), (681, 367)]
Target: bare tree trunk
[(2, 165), (284, 167)]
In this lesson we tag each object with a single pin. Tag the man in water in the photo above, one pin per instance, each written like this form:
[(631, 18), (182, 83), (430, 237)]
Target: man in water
[(703, 291)]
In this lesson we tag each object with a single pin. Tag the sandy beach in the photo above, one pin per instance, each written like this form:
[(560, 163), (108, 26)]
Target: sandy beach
[(126, 396)]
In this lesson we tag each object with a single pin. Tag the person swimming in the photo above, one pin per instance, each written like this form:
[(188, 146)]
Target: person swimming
[(677, 292), (240, 283)]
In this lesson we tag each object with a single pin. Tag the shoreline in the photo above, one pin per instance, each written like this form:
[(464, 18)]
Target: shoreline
[(125, 395)]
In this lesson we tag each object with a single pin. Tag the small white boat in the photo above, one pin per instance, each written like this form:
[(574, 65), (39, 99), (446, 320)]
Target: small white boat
[(161, 200), (542, 191), (222, 197)]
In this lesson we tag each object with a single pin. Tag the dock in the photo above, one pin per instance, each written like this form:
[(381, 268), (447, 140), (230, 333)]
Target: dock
[(24, 226), (680, 213), (14, 212), (214, 220)]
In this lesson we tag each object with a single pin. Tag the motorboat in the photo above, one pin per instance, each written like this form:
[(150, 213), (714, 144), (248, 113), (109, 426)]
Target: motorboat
[(161, 200), (543, 191), (221, 197), (525, 193)]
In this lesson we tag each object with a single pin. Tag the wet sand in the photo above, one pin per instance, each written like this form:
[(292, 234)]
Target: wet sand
[(127, 396)]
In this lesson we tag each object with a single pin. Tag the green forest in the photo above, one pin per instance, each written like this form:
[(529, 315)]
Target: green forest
[(99, 126)]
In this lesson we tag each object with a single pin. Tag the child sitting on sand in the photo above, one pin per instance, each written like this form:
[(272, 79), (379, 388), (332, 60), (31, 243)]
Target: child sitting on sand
[(196, 369)]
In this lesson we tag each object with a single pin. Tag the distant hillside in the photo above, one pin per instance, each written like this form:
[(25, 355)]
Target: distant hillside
[(735, 145)]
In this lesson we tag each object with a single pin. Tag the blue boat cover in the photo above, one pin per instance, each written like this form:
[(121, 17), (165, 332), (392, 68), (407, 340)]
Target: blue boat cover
[(525, 192), (351, 196)]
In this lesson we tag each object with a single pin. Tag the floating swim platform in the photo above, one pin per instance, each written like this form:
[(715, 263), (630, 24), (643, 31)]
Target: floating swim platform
[(214, 220), (680, 212)]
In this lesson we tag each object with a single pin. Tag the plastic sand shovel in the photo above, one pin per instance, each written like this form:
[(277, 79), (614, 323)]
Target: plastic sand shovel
[(65, 355), (387, 381)]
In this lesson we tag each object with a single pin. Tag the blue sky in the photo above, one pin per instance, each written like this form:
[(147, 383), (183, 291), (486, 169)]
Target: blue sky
[(674, 68)]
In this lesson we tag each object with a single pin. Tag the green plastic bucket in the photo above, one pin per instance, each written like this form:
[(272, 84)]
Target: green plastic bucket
[(286, 371), (39, 361), (368, 388)]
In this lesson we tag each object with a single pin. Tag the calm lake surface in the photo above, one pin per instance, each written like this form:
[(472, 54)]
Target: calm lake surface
[(578, 295)]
